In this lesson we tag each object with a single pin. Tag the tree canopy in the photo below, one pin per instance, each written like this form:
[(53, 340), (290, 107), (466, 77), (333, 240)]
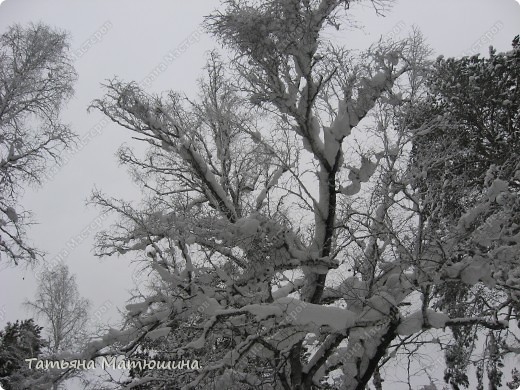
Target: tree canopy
[(295, 232), (36, 78), (467, 173), (18, 342), (60, 305)]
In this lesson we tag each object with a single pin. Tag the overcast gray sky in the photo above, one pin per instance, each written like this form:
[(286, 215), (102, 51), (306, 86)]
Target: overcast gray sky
[(129, 38)]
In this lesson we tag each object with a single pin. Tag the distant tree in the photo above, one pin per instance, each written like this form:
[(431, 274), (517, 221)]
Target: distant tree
[(36, 78), (65, 313), (19, 341), (59, 304)]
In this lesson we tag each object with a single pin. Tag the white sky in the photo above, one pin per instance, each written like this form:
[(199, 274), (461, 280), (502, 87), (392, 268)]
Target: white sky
[(136, 36)]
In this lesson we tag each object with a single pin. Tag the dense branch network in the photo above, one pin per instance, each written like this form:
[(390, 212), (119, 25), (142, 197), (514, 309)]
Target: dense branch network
[(36, 78), (276, 252)]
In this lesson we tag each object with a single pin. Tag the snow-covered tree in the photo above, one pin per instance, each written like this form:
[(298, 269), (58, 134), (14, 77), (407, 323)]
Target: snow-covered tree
[(285, 235), (59, 303), (19, 341), (467, 172), (64, 312), (36, 78)]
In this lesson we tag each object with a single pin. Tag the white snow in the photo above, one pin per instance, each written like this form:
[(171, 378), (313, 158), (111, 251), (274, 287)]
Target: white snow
[(263, 311), (340, 127), (162, 315), (379, 80), (304, 314), (353, 117), (367, 169), (161, 332), (411, 324), (247, 226), (165, 274), (469, 217), (354, 291), (414, 322), (331, 146), (122, 336), (478, 269), (351, 189), (137, 308), (359, 175), (11, 214), (196, 344), (287, 289), (496, 188), (206, 305), (194, 158), (436, 319), (317, 315), (151, 251), (274, 181), (190, 239)]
